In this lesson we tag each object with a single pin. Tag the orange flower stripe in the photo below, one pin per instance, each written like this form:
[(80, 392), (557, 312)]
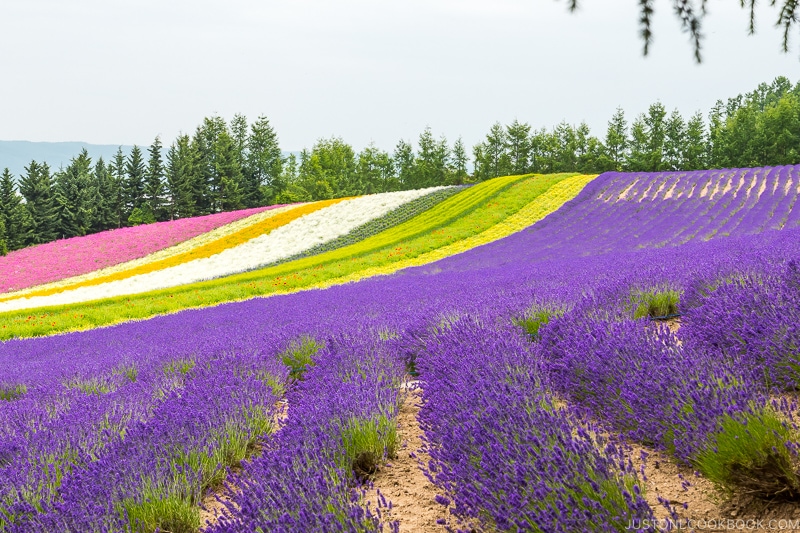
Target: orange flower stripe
[(206, 250)]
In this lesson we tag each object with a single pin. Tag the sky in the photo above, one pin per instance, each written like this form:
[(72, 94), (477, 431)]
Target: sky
[(369, 71)]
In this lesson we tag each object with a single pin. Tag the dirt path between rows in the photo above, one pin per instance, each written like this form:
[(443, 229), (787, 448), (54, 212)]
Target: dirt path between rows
[(402, 481), (702, 507), (213, 506)]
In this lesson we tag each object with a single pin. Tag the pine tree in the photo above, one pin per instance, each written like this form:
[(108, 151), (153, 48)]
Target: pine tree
[(374, 172), (655, 128), (117, 201), (431, 162), (12, 212), (178, 179), (228, 179), (616, 143), (154, 181), (133, 187), (637, 159), (75, 197), (263, 163), (3, 238), (205, 181), (239, 136), (674, 139), (404, 162), (494, 159), (696, 149), (518, 146), (36, 186), (108, 197), (458, 163)]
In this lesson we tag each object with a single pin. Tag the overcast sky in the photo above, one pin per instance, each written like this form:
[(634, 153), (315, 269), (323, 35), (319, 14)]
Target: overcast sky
[(122, 72)]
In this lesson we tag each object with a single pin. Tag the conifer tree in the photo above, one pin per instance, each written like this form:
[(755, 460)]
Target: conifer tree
[(134, 184), (458, 163), (263, 164), (116, 171), (178, 179), (12, 212), (228, 181), (154, 181), (75, 197), (109, 194), (518, 145), (36, 186), (3, 238), (405, 163), (616, 143)]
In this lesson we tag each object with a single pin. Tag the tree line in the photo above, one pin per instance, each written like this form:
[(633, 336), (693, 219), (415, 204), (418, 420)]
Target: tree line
[(227, 166)]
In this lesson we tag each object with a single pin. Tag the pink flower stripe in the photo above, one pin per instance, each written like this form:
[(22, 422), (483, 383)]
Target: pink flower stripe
[(65, 258)]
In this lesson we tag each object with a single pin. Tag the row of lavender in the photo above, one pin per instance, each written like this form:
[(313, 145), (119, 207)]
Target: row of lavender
[(77, 408)]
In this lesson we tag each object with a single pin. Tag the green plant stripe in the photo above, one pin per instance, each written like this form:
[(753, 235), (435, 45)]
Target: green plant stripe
[(461, 216), (457, 208), (394, 218)]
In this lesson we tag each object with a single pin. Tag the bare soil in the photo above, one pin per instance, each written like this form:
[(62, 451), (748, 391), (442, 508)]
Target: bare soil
[(702, 506), (213, 506), (402, 481)]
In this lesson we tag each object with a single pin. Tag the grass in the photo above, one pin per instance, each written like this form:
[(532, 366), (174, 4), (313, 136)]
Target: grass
[(655, 303), (366, 443), (535, 318), (298, 356), (172, 504), (751, 455), (175, 513), (12, 392), (93, 385), (466, 219)]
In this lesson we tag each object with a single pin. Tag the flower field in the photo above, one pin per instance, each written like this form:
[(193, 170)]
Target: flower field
[(529, 310), (283, 235), (72, 257)]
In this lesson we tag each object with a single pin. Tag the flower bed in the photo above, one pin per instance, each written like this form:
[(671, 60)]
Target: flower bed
[(72, 257)]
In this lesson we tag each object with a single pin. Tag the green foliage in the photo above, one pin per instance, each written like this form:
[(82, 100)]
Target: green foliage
[(12, 392), (130, 371), (154, 182), (536, 317), (179, 366), (174, 513), (263, 165), (3, 238), (93, 385), (299, 356), (36, 186), (178, 179), (134, 184), (141, 215), (655, 303), (750, 454), (76, 197), (12, 213), (366, 443)]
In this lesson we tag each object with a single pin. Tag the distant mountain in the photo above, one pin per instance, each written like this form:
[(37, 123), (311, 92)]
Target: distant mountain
[(16, 155)]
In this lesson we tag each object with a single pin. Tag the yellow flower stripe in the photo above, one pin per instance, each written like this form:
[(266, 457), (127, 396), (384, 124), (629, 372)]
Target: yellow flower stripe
[(536, 210), (207, 250), (180, 248)]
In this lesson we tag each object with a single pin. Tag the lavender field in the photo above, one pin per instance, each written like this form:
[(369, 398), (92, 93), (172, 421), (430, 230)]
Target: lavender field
[(541, 357)]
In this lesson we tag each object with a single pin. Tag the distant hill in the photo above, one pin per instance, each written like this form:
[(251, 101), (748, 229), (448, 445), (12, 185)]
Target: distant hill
[(16, 155)]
